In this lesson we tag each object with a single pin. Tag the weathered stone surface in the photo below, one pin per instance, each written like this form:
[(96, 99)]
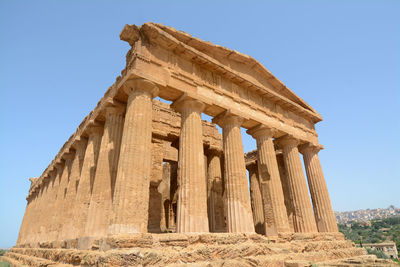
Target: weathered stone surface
[(117, 180), (100, 208), (256, 198), (324, 216), (192, 201), (238, 208), (275, 217), (215, 192), (211, 249), (303, 217), (132, 183), (86, 180)]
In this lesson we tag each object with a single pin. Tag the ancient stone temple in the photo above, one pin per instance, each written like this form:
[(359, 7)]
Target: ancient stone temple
[(143, 182)]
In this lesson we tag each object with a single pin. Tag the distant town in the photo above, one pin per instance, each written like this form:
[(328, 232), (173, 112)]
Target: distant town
[(366, 215)]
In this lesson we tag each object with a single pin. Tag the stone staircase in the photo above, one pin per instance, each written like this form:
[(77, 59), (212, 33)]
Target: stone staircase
[(200, 250)]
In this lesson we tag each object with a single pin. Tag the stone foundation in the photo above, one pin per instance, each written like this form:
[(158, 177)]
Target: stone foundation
[(212, 249)]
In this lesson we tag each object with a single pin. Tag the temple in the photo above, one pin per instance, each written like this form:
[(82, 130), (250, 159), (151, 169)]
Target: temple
[(144, 174)]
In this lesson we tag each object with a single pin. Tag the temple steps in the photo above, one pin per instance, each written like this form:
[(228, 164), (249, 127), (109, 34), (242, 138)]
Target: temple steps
[(148, 257), (197, 250), (18, 259)]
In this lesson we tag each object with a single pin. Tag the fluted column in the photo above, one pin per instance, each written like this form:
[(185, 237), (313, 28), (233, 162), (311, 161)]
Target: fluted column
[(50, 198), (324, 216), (86, 179), (44, 215), (239, 215), (34, 227), (286, 189), (26, 233), (100, 208), (215, 190), (25, 220), (68, 226), (192, 200), (131, 194), (303, 213), (53, 233), (61, 205), (256, 199), (276, 220)]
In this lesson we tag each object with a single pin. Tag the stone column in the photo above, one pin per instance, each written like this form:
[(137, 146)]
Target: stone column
[(34, 226), (286, 189), (43, 218), (61, 205), (239, 215), (29, 219), (215, 190), (131, 194), (324, 216), (87, 179), (303, 214), (256, 199), (192, 200), (25, 220), (50, 198), (100, 208), (53, 232), (68, 226), (276, 220)]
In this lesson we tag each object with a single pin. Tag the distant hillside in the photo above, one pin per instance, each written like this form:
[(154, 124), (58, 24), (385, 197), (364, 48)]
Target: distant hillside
[(366, 215), (375, 231)]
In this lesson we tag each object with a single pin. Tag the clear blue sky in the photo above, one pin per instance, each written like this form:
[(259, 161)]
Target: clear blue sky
[(57, 58)]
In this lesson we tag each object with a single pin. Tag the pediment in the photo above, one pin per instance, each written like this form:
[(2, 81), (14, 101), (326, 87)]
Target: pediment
[(241, 65)]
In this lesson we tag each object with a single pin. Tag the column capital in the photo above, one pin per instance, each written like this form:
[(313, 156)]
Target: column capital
[(251, 166), (115, 110), (228, 118), (185, 101), (140, 84), (94, 130), (53, 172), (310, 148), (59, 166), (79, 143), (46, 178), (261, 131), (287, 140), (213, 151), (69, 156)]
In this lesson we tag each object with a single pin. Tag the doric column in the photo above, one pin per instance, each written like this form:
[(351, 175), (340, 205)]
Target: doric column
[(192, 198), (68, 226), (131, 194), (285, 189), (215, 190), (87, 179), (25, 234), (53, 230), (256, 199), (44, 214), (239, 216), (61, 206), (50, 199), (303, 214), (276, 220), (34, 227), (25, 220), (324, 216), (101, 200)]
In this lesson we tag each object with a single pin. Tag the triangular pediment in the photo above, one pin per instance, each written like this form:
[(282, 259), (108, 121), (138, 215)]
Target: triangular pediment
[(239, 61), (242, 66)]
